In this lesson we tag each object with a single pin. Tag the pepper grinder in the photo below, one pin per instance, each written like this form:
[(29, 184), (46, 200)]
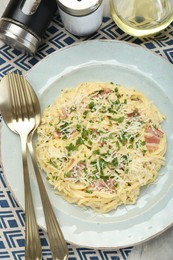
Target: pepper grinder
[(24, 23)]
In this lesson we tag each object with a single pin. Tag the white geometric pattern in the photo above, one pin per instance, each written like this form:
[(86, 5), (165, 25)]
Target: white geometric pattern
[(11, 215)]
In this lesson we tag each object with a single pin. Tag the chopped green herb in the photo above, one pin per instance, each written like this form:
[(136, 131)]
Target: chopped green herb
[(118, 119), (90, 142), (85, 133), (130, 146), (73, 108), (67, 175), (91, 105), (117, 145), (71, 147), (111, 109), (93, 162), (104, 177), (78, 127), (96, 151), (117, 102), (114, 162), (85, 113), (79, 141), (53, 163), (89, 191), (143, 143), (116, 89)]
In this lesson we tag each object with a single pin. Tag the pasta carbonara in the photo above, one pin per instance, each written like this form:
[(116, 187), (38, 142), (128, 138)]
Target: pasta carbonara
[(99, 143)]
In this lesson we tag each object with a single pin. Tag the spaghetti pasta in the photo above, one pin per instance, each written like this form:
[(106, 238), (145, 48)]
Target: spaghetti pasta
[(99, 143)]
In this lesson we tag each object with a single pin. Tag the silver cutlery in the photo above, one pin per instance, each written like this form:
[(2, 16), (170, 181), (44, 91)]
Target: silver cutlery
[(17, 112), (21, 111)]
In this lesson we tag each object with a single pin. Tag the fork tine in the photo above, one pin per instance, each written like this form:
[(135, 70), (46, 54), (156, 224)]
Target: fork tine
[(17, 97), (14, 98), (22, 102), (21, 96), (30, 95), (27, 96)]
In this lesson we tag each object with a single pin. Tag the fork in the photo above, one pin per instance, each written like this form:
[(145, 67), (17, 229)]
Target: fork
[(23, 122), (57, 242)]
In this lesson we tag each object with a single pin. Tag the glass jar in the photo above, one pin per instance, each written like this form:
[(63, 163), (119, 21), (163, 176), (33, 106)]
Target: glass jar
[(81, 17), (142, 17)]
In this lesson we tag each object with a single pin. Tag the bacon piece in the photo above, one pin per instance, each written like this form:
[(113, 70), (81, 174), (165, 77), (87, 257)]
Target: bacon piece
[(153, 138), (56, 134), (99, 185), (156, 132), (71, 162), (111, 183), (102, 92), (101, 143), (152, 147), (106, 91), (93, 129), (64, 113), (108, 185), (134, 113), (78, 168)]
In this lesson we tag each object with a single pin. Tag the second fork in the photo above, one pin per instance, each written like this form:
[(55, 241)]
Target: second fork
[(23, 123)]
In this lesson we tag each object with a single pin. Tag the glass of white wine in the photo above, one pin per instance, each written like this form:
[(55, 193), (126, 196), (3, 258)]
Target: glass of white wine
[(142, 17)]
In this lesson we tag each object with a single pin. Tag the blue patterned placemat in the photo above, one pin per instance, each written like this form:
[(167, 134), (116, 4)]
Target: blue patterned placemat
[(11, 215)]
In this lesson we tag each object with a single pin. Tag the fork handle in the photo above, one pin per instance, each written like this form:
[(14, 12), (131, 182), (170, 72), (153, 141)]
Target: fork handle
[(57, 242), (32, 240)]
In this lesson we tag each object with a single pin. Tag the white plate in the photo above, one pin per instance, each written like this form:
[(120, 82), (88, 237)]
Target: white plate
[(122, 63)]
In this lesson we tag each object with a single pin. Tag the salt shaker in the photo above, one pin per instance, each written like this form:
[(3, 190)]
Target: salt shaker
[(24, 23), (81, 17)]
